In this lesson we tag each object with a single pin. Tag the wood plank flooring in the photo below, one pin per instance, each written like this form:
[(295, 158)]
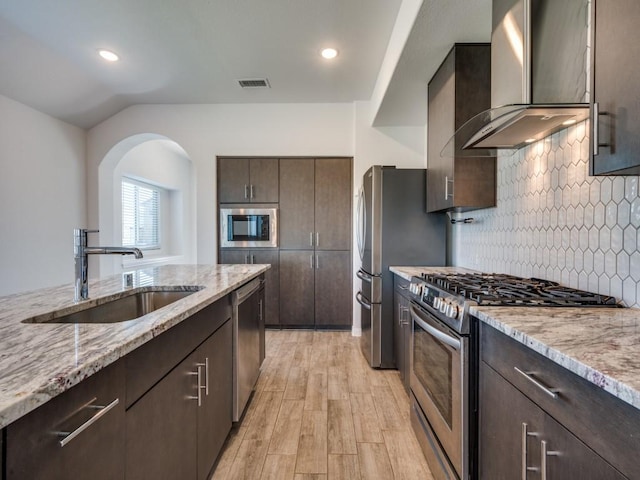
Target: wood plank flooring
[(319, 412)]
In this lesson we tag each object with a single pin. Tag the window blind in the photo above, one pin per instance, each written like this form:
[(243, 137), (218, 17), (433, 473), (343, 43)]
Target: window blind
[(140, 215)]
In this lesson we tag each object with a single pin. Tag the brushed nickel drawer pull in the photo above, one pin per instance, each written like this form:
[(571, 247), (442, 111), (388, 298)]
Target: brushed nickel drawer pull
[(552, 392), (102, 411)]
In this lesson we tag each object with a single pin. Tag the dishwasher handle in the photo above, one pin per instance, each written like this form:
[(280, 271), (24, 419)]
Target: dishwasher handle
[(244, 292)]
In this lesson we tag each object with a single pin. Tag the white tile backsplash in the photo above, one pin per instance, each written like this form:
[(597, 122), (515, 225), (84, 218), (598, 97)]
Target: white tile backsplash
[(554, 221)]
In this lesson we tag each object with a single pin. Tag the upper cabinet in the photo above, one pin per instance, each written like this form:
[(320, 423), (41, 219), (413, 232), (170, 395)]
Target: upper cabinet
[(248, 180), (615, 111), (459, 90)]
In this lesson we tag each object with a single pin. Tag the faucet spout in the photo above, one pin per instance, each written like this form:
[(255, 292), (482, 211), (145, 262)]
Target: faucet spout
[(81, 254), (113, 251)]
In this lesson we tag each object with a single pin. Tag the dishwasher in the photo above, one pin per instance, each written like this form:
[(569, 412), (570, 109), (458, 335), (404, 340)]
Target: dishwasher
[(248, 341)]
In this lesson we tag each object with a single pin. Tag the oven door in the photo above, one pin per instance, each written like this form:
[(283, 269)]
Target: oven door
[(439, 383)]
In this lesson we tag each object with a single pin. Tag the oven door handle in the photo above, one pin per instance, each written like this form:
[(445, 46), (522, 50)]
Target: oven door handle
[(362, 301), (443, 337)]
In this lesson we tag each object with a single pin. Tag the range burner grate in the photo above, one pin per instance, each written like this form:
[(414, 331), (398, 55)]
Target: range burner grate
[(509, 290)]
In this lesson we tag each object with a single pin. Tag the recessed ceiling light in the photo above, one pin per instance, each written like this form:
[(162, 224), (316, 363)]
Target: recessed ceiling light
[(568, 122), (329, 53), (108, 55), (530, 140)]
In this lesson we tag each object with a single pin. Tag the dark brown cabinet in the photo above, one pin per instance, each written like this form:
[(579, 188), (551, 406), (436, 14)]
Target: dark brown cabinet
[(516, 435), (35, 450), (402, 329), (315, 204), (459, 90), (177, 429), (318, 286), (615, 111), (272, 277), (538, 420), (297, 287), (315, 242), (248, 180)]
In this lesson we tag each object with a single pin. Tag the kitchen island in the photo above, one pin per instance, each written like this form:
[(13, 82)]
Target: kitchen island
[(39, 361)]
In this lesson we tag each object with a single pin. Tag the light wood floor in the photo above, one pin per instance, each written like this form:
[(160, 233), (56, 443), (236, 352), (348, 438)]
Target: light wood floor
[(320, 412)]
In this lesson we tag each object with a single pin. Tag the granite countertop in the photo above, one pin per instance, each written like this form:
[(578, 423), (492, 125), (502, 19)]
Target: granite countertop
[(601, 345), (40, 361)]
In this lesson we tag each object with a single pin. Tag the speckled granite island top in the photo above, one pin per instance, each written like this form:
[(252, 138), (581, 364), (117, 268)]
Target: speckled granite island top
[(40, 361), (601, 345)]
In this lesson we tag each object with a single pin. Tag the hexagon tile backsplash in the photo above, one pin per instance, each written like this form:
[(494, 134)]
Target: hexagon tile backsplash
[(556, 222)]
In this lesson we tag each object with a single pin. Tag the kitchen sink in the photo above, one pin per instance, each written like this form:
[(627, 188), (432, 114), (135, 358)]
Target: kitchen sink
[(133, 305)]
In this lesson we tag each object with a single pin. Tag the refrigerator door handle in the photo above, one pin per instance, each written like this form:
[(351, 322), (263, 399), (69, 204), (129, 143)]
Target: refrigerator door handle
[(363, 301), (361, 227), (362, 275)]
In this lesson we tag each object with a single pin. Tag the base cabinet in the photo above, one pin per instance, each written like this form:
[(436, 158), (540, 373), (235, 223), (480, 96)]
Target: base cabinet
[(318, 286), (519, 440), (177, 429), (402, 329), (538, 420), (33, 443)]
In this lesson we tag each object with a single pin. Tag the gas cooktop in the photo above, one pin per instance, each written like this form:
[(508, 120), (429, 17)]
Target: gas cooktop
[(509, 290)]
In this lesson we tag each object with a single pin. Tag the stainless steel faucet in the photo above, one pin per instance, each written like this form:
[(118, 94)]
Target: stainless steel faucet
[(81, 253)]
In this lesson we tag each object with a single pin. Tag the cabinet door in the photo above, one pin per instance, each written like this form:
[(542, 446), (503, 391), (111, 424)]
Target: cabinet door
[(296, 204), (333, 292), (235, 257), (263, 176), (398, 337), (272, 284), (34, 452), (214, 413), (441, 121), (297, 280), (503, 412), (161, 427), (333, 204), (615, 88), (233, 180), (508, 420)]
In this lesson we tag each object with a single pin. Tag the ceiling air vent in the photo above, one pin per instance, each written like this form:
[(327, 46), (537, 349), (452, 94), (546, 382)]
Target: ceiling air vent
[(254, 83)]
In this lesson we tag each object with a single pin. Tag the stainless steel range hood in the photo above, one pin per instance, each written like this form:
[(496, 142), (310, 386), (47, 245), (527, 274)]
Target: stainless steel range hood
[(539, 76), (511, 127)]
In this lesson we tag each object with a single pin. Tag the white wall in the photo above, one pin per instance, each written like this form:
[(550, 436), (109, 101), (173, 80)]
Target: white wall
[(42, 197)]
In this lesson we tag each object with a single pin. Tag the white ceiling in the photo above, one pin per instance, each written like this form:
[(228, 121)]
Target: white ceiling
[(195, 51)]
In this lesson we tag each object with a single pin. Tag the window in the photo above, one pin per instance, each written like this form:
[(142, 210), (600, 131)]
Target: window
[(140, 215)]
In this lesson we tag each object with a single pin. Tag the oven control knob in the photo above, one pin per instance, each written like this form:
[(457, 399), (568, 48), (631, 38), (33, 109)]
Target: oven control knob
[(437, 301), (452, 311), (443, 306)]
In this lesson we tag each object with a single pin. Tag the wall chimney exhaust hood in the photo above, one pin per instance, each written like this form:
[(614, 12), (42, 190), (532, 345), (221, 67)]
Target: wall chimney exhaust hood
[(539, 64)]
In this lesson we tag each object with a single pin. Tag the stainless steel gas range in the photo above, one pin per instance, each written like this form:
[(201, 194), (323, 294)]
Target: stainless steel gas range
[(445, 357)]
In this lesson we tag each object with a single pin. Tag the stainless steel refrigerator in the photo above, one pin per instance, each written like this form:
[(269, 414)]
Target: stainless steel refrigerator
[(393, 230)]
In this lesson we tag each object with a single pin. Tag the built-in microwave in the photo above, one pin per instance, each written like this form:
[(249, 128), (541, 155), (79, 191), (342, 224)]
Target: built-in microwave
[(251, 227)]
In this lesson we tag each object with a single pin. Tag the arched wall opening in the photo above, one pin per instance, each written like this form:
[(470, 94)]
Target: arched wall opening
[(158, 161)]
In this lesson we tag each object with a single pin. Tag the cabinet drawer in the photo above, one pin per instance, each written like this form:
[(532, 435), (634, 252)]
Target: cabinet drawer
[(95, 449), (608, 425), (146, 365)]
